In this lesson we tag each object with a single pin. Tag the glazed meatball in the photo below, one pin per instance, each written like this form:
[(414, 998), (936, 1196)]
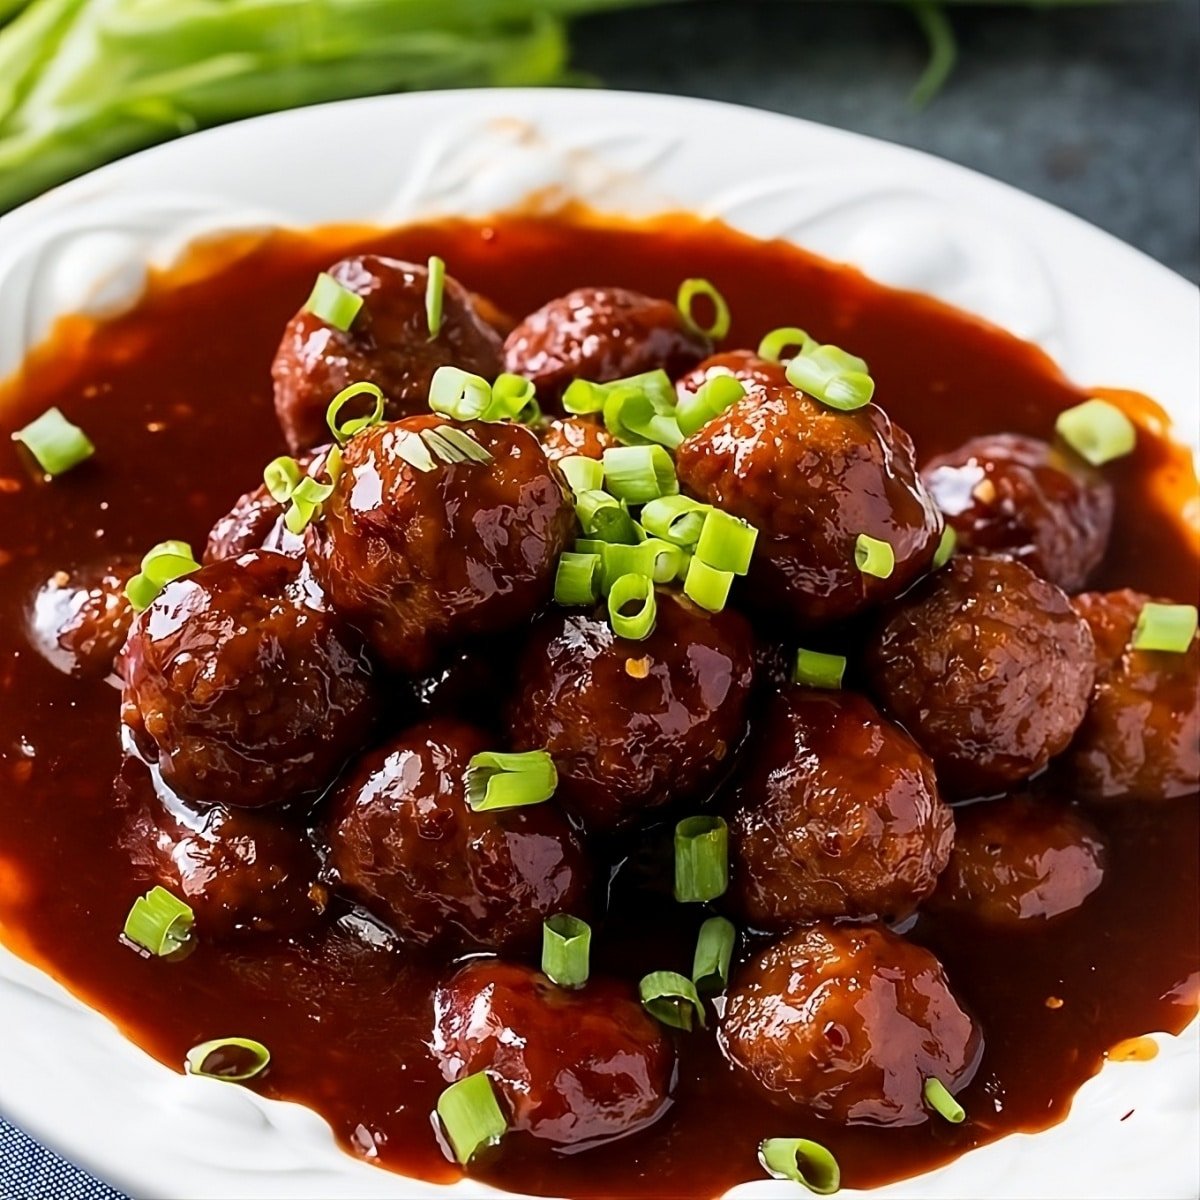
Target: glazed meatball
[(422, 559), (1020, 859), (847, 1022), (811, 479), (744, 365), (404, 843), (600, 334), (1140, 739), (836, 814), (573, 1068), (1024, 499), (988, 667), (240, 689), (633, 725), (566, 436), (388, 345), (79, 619)]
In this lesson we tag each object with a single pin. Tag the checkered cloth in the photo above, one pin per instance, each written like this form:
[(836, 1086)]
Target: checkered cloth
[(30, 1172)]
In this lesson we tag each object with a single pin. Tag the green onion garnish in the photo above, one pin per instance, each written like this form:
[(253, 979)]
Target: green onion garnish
[(665, 559), (514, 780), (801, 1161), (303, 495), (671, 999), (163, 564), (726, 543), (689, 290), (471, 1116), (306, 501), (707, 586), (333, 303), (435, 287), (874, 557), (343, 432), (817, 670), (1097, 431), (465, 447), (581, 473), (409, 446), (939, 1099), (620, 559), (676, 519), (835, 378), (514, 398), (1168, 627), (280, 476), (701, 859), (632, 589), (946, 546), (714, 952), (709, 400), (55, 443), (786, 338), (159, 922), (566, 943), (583, 397), (605, 518), (456, 393), (577, 580), (636, 416), (639, 474), (231, 1059)]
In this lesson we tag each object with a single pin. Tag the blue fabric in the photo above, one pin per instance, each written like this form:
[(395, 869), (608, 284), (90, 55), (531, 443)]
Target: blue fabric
[(30, 1172)]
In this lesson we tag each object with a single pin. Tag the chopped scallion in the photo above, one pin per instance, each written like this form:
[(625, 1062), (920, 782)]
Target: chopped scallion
[(280, 477), (1165, 627), (306, 500), (513, 780), (471, 1116), (456, 393), (816, 670), (672, 999), (333, 303), (566, 943), (635, 414), (835, 378), (55, 443), (604, 517), (689, 291), (701, 859), (714, 953), (435, 288), (577, 580), (938, 1097), (467, 448), (409, 447), (874, 557), (639, 474), (677, 519), (726, 543), (514, 398), (583, 397), (802, 1161), (946, 546), (159, 922), (713, 397), (707, 586), (788, 337), (581, 473), (343, 431), (231, 1059), (632, 589), (1097, 431), (163, 564)]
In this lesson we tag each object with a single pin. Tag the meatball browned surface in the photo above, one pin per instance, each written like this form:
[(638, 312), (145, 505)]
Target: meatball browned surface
[(1140, 739), (566, 436), (848, 1021), (744, 365), (600, 334), (404, 843), (836, 814), (573, 1068), (388, 345), (1022, 858), (811, 479), (988, 667), (420, 560), (1025, 499), (79, 618), (633, 725), (240, 690)]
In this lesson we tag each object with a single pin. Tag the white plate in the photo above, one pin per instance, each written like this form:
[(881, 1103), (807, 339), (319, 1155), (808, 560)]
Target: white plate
[(1108, 314)]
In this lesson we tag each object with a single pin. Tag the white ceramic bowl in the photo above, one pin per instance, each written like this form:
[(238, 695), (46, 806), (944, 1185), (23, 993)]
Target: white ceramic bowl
[(1108, 314)]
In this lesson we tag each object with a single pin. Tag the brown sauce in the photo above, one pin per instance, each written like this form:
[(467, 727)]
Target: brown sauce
[(176, 395)]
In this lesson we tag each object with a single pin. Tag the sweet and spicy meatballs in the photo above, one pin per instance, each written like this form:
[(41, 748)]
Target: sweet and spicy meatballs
[(633, 725), (811, 479), (988, 667), (421, 555), (404, 842), (836, 814), (1025, 499), (600, 334), (563, 437), (79, 619), (240, 689), (849, 1022), (745, 366), (1140, 739), (573, 1068), (388, 345)]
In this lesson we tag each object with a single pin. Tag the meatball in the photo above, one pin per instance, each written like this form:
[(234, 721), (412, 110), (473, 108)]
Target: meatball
[(988, 667), (1025, 499), (79, 619), (566, 436), (1020, 859), (422, 559), (404, 843), (744, 365), (1140, 739), (573, 1068), (388, 345), (240, 689), (836, 814), (811, 479), (848, 1022), (632, 725), (600, 334)]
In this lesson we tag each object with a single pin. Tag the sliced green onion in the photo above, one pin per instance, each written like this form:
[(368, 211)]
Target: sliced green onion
[(456, 393), (676, 519), (714, 953), (639, 474), (785, 338), (664, 558), (689, 290), (566, 943), (671, 999), (581, 473), (726, 543), (280, 477), (344, 431), (231, 1059), (583, 397), (1097, 431), (333, 303), (577, 580), (801, 1161), (939, 1099), (441, 449), (498, 780), (685, 565), (835, 378), (514, 398), (817, 670), (409, 446), (620, 559), (335, 463), (591, 546), (435, 287), (874, 557), (632, 589), (711, 398), (306, 502), (1168, 627), (162, 565), (707, 586), (701, 859), (159, 922), (464, 443), (55, 442), (604, 517), (945, 550), (635, 416), (471, 1116)]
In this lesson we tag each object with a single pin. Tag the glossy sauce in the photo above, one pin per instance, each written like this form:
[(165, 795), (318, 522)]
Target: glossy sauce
[(177, 397)]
